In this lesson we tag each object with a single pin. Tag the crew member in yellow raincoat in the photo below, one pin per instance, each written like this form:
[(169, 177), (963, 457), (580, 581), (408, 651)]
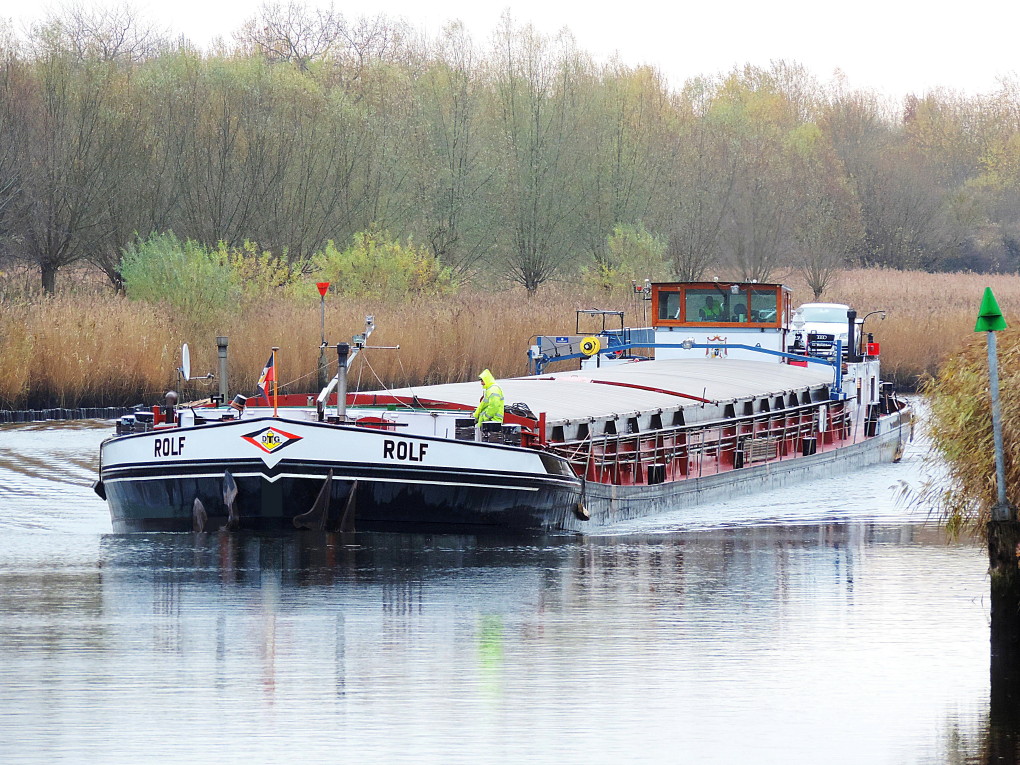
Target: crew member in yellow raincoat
[(490, 408)]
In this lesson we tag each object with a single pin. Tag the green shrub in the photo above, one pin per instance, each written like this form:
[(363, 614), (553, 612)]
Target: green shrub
[(258, 274), (192, 280), (378, 266), (633, 254)]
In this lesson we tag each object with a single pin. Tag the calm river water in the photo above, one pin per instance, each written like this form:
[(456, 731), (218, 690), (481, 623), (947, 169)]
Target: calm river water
[(827, 624)]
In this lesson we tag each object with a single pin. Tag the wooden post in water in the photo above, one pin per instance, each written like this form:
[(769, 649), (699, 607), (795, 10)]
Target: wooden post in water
[(1003, 538)]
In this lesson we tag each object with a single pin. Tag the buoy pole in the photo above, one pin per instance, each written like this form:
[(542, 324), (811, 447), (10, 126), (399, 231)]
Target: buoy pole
[(1001, 510), (1003, 534), (990, 321)]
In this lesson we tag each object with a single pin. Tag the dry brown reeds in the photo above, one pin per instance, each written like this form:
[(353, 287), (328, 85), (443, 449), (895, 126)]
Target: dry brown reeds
[(960, 427), (95, 348), (440, 339), (929, 316), (82, 349)]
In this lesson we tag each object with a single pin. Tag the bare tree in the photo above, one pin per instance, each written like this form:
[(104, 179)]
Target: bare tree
[(294, 33), (701, 188), (534, 91), (903, 197), (622, 126), (71, 118), (319, 151), (12, 92), (304, 35), (451, 176), (829, 230), (94, 33), (766, 134)]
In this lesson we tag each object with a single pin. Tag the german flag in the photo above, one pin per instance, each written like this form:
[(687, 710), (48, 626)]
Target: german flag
[(268, 376)]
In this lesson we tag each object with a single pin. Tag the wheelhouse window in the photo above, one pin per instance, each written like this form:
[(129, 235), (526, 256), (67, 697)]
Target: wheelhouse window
[(764, 306), (716, 303), (669, 305), (707, 305)]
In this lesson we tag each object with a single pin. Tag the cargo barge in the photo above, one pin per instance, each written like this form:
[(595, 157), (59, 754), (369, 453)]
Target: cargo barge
[(717, 398)]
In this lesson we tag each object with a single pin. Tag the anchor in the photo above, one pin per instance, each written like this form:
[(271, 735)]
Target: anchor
[(318, 515), (347, 518), (230, 501), (198, 516), (582, 512)]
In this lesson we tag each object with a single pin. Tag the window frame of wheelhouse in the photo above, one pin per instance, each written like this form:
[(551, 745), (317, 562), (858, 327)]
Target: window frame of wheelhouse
[(673, 303)]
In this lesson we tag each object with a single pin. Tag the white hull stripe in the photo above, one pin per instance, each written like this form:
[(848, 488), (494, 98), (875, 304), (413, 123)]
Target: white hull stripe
[(274, 479)]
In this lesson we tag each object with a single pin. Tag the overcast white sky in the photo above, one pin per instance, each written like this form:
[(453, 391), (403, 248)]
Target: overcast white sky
[(892, 46)]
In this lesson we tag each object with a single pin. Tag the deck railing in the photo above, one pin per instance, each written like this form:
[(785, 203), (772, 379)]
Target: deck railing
[(685, 451)]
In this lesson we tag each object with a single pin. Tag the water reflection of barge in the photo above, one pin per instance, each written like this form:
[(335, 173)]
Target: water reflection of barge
[(724, 409)]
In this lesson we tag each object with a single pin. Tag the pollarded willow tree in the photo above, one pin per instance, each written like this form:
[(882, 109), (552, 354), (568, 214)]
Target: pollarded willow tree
[(115, 36), (624, 128), (829, 227), (450, 154), (758, 122), (538, 153), (75, 120), (221, 139), (700, 185)]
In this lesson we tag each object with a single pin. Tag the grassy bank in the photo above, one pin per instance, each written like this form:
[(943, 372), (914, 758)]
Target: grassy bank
[(89, 347)]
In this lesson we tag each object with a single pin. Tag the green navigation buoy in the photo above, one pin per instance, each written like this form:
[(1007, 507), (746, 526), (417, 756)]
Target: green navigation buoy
[(989, 316)]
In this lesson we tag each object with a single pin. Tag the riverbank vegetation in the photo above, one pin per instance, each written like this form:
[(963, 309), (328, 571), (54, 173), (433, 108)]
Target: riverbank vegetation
[(468, 196), (509, 162), (89, 345), (960, 425)]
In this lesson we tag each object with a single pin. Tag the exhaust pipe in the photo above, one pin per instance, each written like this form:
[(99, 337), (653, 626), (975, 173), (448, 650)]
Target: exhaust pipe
[(851, 341)]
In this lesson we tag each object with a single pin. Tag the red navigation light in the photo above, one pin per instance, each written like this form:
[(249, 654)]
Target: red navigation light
[(323, 286)]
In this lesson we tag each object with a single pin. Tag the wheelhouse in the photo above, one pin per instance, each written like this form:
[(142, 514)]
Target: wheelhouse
[(741, 305)]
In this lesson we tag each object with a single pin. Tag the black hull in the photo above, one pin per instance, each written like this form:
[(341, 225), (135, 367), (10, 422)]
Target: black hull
[(142, 500), (146, 496)]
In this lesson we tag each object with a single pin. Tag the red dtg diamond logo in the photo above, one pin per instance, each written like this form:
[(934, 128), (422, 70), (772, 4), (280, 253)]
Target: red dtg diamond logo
[(271, 439)]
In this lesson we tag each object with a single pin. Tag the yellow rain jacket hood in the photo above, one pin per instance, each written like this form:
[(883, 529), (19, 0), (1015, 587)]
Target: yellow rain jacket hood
[(490, 408)]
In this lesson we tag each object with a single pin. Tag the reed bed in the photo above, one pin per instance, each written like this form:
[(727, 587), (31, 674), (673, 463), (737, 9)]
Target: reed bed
[(960, 427), (73, 350), (929, 317), (96, 348), (88, 347)]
